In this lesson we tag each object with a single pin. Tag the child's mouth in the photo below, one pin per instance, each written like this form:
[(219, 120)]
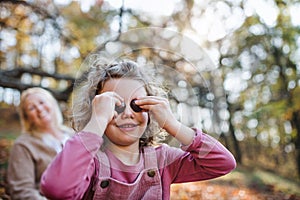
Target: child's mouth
[(127, 127)]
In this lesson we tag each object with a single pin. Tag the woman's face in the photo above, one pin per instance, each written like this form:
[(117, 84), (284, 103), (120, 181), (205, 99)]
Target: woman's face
[(39, 110), (128, 126)]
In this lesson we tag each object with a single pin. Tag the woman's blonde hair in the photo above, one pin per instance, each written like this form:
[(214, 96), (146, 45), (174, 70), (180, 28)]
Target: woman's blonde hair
[(26, 124), (93, 81)]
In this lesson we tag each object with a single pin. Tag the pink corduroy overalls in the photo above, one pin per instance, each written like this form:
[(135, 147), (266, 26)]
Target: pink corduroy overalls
[(147, 185)]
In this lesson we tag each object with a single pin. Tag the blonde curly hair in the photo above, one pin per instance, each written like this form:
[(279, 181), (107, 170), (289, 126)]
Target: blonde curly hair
[(93, 80)]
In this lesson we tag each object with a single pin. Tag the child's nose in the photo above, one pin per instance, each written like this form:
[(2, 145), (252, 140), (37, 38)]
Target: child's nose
[(132, 107), (128, 112)]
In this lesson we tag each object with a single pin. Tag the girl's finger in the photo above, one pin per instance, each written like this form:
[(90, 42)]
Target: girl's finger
[(150, 101), (116, 98)]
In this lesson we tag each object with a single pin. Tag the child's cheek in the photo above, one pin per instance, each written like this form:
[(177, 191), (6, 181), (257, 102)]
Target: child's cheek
[(146, 117)]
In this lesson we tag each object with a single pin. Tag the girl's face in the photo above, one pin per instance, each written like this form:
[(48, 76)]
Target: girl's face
[(38, 110), (128, 126)]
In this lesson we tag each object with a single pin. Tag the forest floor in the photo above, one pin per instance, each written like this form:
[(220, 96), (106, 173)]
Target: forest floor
[(241, 184), (244, 183)]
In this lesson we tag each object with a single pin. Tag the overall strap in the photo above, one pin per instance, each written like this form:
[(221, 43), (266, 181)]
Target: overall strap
[(101, 169), (104, 165), (150, 158)]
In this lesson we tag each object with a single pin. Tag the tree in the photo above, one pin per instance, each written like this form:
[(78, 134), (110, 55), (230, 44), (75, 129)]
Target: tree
[(32, 40), (266, 52)]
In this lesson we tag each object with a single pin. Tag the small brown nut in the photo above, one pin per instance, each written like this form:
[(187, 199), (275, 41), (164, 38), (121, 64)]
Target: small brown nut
[(135, 107), (121, 108)]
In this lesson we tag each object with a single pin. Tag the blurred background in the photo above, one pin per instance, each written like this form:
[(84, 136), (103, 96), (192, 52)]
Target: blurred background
[(232, 68)]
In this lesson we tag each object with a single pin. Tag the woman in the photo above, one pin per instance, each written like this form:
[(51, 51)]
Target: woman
[(43, 136)]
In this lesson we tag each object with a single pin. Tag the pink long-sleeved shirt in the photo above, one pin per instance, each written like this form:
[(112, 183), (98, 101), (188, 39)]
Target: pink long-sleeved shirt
[(69, 175)]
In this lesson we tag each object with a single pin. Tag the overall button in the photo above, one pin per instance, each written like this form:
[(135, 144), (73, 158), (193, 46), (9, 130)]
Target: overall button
[(151, 173), (104, 183)]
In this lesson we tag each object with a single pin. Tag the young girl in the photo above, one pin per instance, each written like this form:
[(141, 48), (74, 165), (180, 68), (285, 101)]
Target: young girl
[(114, 156)]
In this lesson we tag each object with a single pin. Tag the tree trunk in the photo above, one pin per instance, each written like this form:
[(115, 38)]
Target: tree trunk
[(296, 123), (236, 146), (238, 153)]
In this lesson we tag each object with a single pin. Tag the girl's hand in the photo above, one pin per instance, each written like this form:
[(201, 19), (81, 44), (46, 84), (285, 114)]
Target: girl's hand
[(103, 111), (103, 105), (159, 107), (162, 112)]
